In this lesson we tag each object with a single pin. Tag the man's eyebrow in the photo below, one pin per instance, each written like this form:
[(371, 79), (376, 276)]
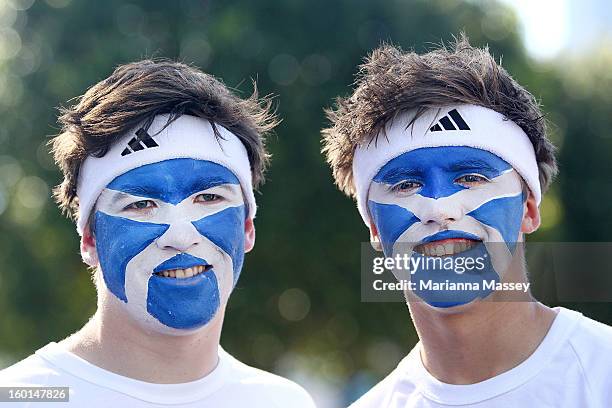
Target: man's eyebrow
[(472, 164), (209, 182), (399, 174), (138, 191), (122, 195), (224, 186), (142, 192)]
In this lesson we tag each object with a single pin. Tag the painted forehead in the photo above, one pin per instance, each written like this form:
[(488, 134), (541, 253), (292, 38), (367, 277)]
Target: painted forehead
[(173, 180), (425, 162)]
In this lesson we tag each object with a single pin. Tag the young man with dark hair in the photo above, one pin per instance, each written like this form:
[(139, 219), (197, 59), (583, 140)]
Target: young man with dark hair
[(160, 161), (447, 158)]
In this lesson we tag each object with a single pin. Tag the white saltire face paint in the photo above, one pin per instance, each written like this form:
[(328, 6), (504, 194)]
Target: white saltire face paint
[(453, 176), (448, 195), (177, 214)]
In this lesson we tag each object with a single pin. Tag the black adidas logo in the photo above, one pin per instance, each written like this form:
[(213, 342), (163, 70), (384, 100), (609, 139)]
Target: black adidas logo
[(141, 141), (447, 123)]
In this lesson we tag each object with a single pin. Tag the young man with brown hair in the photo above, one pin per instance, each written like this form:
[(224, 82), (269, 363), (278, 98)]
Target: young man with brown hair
[(447, 158), (160, 161)]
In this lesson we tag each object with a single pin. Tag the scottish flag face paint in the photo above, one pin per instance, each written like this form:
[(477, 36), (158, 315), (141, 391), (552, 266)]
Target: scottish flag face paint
[(170, 240), (449, 202)]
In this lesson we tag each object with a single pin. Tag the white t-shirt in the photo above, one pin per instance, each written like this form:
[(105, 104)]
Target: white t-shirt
[(572, 368), (230, 384)]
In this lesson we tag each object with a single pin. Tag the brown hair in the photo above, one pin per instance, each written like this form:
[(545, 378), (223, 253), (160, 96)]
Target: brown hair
[(391, 81), (139, 91)]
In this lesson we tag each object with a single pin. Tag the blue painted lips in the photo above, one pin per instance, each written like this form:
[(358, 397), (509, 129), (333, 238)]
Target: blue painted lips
[(180, 261), (178, 282), (186, 303), (450, 234)]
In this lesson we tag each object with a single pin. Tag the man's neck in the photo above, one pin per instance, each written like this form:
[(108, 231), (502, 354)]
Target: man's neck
[(485, 340), (114, 342)]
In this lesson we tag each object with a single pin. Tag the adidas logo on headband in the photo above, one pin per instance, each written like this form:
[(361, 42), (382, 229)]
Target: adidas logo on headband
[(141, 141), (447, 123)]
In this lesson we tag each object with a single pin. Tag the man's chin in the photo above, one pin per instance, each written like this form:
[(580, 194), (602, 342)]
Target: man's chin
[(152, 326), (135, 317), (448, 307)]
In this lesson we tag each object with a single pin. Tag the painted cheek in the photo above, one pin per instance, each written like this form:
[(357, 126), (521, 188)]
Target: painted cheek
[(391, 221), (226, 230), (118, 240), (503, 214)]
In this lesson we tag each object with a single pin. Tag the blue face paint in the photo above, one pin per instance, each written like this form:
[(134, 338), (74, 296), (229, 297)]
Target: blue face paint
[(226, 230), (505, 215), (423, 196), (183, 209), (186, 303), (391, 221), (173, 180), (118, 240), (437, 274)]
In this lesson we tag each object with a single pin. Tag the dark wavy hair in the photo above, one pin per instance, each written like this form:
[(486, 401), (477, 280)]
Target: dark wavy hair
[(139, 91), (392, 81)]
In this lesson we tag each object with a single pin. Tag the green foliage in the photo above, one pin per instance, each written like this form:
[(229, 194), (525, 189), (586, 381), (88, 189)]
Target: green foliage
[(298, 300)]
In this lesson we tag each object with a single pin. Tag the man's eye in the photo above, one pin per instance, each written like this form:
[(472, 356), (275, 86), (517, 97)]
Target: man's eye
[(208, 197), (140, 205), (472, 179), (405, 186)]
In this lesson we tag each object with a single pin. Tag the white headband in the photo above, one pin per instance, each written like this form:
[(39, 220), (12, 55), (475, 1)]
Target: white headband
[(186, 137), (462, 125)]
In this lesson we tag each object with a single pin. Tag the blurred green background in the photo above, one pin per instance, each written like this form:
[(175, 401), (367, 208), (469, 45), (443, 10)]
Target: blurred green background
[(296, 310)]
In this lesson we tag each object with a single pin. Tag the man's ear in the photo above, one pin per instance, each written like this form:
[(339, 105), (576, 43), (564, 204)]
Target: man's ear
[(531, 215), (249, 235), (88, 247), (375, 238)]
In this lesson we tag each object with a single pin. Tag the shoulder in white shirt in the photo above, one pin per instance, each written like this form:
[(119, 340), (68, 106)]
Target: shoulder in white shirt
[(572, 367), (231, 384)]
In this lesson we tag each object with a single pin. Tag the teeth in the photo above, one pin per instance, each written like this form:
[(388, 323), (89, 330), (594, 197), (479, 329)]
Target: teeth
[(183, 273), (446, 249)]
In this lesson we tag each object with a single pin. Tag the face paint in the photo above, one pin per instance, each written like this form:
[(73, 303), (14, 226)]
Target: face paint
[(178, 214), (448, 201)]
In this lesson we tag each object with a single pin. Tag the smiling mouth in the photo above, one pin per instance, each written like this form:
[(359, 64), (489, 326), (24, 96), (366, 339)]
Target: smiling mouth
[(446, 247), (184, 273)]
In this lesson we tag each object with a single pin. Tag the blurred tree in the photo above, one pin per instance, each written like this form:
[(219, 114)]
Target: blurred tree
[(298, 301)]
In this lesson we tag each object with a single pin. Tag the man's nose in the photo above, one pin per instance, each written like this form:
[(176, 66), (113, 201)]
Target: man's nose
[(181, 236), (442, 211)]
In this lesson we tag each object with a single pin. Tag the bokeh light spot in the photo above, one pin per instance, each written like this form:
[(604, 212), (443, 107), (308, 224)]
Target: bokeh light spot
[(283, 69), (551, 210), (32, 192), (294, 304)]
